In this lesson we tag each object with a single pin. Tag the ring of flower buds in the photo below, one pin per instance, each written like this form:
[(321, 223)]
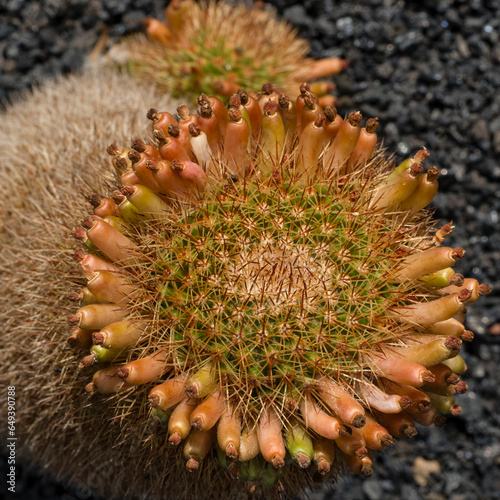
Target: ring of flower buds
[(318, 398)]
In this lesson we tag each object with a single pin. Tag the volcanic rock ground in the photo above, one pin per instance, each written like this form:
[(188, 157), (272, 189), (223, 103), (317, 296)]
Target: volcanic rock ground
[(430, 70)]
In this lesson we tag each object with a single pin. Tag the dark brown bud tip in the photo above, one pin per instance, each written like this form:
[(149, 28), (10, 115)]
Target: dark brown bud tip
[(183, 112), (453, 343), (123, 372), (424, 406), (283, 101), (197, 423), (330, 113), (97, 338), (457, 279), (270, 108), (78, 256), (416, 169), (120, 164), (405, 402), (73, 319), (175, 439), (433, 174), (194, 129), (79, 234), (153, 400), (305, 87), (112, 150), (428, 377), (457, 253), (323, 467), (464, 295), (89, 360), (134, 156), (310, 100), (203, 101), (139, 145), (386, 440), (95, 200), (178, 165), (484, 289), (366, 471), (91, 388), (118, 197), (192, 464), (73, 341), (355, 119), (361, 452), (421, 155), (234, 115), (267, 88), (88, 222), (461, 387), (231, 452), (303, 460), (160, 136), (173, 130), (359, 421), (235, 101), (456, 410), (371, 125), (447, 229), (319, 121), (128, 190), (244, 97), (206, 112), (452, 378), (74, 296), (152, 164), (344, 431), (153, 115), (192, 391), (467, 336), (278, 462), (410, 432)]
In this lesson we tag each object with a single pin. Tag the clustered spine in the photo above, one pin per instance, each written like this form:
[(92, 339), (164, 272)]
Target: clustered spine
[(272, 210)]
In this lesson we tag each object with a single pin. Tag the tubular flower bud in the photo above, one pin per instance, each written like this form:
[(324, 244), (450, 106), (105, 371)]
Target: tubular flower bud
[(229, 432), (271, 442), (117, 335), (267, 305), (342, 146)]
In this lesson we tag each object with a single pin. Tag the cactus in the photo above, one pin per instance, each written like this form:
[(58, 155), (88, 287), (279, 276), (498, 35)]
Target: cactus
[(215, 47), (264, 300)]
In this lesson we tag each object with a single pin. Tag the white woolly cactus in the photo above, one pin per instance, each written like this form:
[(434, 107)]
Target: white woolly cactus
[(267, 293)]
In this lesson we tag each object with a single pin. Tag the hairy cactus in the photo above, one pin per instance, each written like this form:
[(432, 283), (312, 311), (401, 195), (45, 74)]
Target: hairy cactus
[(215, 47), (263, 301)]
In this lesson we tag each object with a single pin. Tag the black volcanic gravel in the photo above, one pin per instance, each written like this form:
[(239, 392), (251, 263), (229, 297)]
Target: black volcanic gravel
[(431, 72)]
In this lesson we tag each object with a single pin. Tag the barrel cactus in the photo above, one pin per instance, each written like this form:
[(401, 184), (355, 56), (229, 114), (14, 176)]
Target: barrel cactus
[(262, 301), (215, 47)]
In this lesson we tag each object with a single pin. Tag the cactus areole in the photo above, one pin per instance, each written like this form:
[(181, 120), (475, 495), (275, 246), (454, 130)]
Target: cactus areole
[(268, 294)]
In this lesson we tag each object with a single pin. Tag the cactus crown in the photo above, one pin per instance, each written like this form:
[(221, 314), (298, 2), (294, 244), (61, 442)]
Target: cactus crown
[(267, 279), (273, 284)]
